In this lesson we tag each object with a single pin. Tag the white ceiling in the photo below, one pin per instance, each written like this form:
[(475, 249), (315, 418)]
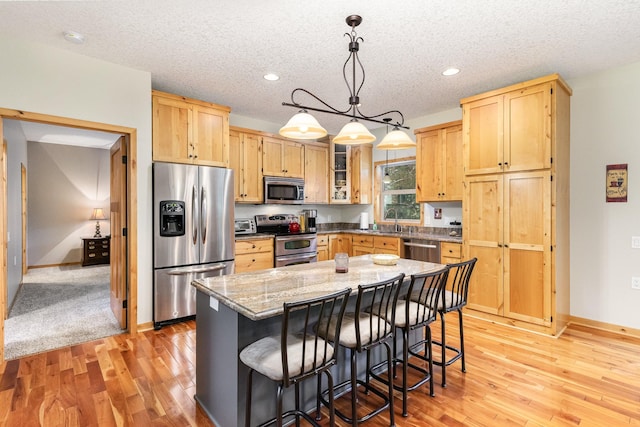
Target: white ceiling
[(219, 51)]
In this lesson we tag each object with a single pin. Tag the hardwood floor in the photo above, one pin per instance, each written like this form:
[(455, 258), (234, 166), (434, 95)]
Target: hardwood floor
[(586, 377)]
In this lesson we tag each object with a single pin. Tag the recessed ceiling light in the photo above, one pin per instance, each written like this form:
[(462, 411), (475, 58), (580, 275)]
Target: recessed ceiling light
[(73, 37), (450, 71), (272, 77)]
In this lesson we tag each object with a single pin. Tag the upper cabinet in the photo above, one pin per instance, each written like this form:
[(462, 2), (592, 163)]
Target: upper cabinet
[(439, 162), (508, 131), (281, 157), (245, 158), (351, 174), (316, 173), (189, 131)]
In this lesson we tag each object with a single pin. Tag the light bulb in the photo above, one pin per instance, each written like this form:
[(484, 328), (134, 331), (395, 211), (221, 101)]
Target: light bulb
[(386, 179), (303, 129)]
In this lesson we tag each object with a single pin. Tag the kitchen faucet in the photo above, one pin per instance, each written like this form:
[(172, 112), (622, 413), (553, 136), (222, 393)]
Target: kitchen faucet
[(396, 227)]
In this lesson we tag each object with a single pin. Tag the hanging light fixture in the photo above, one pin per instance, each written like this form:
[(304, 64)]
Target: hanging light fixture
[(354, 132), (386, 179)]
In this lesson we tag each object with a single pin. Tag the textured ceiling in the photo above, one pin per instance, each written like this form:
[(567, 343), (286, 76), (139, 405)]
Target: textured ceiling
[(218, 51)]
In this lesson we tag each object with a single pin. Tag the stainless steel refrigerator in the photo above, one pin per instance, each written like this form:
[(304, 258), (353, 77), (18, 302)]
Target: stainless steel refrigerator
[(193, 234)]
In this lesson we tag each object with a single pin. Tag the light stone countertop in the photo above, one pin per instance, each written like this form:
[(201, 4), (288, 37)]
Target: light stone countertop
[(261, 294)]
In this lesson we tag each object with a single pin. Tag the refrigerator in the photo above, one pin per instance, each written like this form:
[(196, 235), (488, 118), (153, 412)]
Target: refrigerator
[(193, 234)]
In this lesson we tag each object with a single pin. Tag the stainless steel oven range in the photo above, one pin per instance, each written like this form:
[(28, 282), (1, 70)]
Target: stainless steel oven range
[(291, 247)]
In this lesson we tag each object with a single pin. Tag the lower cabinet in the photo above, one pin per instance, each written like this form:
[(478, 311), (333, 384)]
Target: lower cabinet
[(323, 247), (339, 243), (363, 244), (254, 254), (450, 253)]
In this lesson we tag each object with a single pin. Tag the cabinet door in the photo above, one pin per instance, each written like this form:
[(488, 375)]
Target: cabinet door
[(453, 173), (527, 247), (339, 243), (316, 174), (387, 245), (429, 166), (235, 162), (483, 140), (361, 174), (272, 159), (210, 136), (361, 250), (340, 191), (252, 168), (482, 222), (293, 155), (527, 135), (171, 131)]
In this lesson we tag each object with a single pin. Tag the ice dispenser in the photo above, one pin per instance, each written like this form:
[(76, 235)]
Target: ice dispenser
[(171, 218)]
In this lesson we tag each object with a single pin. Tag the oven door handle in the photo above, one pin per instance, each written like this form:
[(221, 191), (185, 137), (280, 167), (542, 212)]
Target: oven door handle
[(297, 256), (296, 237)]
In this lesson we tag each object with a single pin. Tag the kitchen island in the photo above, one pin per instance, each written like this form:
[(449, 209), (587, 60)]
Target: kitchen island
[(235, 310)]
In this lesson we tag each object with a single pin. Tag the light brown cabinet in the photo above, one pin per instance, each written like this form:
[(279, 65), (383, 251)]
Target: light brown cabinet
[(439, 162), (245, 158), (509, 131), (450, 252), (316, 173), (516, 203), (255, 254), (351, 174), (323, 247), (282, 157), (362, 244), (339, 243), (189, 131)]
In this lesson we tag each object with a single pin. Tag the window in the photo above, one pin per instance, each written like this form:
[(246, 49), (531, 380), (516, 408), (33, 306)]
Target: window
[(398, 198)]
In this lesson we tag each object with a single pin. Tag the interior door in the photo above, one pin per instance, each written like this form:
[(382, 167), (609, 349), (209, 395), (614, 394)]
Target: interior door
[(118, 289)]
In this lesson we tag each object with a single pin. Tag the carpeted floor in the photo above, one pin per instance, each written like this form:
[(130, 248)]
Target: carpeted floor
[(59, 306)]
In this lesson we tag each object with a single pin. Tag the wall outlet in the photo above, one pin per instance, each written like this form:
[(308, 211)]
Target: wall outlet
[(635, 283), (635, 242)]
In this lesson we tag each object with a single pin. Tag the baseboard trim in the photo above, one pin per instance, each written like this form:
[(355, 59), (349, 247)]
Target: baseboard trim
[(623, 330), (64, 264), (145, 326)]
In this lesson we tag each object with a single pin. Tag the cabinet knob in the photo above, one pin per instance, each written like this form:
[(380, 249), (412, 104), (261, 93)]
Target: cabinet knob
[(499, 164), (253, 247)]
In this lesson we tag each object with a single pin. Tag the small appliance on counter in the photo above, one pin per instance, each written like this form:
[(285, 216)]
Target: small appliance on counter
[(310, 216), (245, 226)]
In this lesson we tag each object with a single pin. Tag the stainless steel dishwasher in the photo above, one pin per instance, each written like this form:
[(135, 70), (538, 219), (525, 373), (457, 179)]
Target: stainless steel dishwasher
[(422, 250)]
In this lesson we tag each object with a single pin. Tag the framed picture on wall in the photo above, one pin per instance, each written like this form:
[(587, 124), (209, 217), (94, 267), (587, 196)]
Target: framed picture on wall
[(617, 181)]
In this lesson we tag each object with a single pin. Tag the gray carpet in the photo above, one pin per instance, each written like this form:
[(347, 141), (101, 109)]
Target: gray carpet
[(57, 307)]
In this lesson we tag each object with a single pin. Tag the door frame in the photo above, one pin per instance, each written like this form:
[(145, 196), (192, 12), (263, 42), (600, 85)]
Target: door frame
[(131, 242)]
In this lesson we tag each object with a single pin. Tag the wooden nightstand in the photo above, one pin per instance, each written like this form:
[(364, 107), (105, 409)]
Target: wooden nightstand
[(95, 250)]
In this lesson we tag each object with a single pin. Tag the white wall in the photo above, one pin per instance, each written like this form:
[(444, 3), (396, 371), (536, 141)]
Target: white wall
[(604, 130), (61, 83), (64, 184)]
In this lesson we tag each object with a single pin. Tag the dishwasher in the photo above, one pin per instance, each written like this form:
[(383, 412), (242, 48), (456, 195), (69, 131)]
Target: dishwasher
[(422, 250)]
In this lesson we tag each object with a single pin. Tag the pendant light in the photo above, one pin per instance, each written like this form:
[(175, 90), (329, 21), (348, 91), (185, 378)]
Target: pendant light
[(396, 140), (386, 179), (354, 132)]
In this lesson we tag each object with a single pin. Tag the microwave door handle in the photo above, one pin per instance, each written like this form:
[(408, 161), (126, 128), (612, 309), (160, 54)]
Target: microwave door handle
[(194, 215), (203, 215)]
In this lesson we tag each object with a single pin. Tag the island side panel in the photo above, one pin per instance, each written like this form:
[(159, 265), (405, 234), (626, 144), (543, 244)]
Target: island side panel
[(217, 386)]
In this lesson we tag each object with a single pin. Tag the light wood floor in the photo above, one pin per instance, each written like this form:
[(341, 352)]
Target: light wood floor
[(514, 378)]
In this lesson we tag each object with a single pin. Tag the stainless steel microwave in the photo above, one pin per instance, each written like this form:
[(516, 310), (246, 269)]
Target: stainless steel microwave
[(283, 190)]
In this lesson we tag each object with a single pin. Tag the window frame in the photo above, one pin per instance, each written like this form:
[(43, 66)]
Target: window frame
[(378, 199)]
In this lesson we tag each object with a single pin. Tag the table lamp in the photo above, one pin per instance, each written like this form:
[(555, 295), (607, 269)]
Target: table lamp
[(97, 215)]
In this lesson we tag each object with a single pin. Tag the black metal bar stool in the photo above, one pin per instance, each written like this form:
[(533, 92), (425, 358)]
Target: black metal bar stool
[(363, 330), (414, 311), (294, 356), (454, 297)]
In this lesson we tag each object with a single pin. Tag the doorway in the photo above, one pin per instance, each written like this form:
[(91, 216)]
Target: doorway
[(123, 292)]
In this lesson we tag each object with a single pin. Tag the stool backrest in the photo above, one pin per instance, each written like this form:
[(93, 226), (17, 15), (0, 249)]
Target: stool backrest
[(313, 354), (459, 278), (375, 302), (425, 291)]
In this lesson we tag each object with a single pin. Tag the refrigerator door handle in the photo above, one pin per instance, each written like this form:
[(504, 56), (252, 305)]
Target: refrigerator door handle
[(194, 215), (203, 215), (198, 269)]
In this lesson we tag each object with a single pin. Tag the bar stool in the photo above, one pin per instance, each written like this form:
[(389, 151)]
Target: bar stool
[(413, 312), (454, 299), (293, 356), (363, 330)]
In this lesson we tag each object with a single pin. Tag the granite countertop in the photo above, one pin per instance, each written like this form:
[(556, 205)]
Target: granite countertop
[(402, 235), (261, 294)]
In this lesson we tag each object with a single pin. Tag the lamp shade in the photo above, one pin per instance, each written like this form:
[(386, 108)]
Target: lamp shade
[(396, 140), (353, 133), (303, 126), (97, 214)]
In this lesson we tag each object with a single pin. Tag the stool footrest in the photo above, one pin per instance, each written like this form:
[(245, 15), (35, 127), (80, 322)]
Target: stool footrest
[(457, 356), (346, 385)]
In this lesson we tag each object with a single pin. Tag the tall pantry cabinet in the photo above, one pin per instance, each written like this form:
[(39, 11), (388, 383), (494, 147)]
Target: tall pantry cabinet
[(516, 203)]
